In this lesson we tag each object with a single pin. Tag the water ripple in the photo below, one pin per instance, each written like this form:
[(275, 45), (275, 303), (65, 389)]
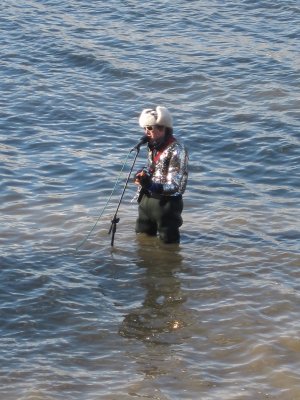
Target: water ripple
[(217, 316)]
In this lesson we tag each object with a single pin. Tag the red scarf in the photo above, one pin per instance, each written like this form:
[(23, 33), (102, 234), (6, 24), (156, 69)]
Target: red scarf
[(159, 152)]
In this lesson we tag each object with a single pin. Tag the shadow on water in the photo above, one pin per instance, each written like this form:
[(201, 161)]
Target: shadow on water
[(160, 318)]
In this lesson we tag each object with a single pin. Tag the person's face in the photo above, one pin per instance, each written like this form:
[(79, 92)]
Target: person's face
[(154, 132)]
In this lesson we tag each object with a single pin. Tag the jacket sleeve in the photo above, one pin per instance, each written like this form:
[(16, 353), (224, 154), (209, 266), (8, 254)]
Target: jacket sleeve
[(172, 171)]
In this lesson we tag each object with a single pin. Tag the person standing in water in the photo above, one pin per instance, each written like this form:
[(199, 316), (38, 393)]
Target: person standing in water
[(162, 182)]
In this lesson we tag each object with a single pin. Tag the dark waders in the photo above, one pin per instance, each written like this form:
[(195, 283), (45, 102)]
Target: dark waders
[(160, 214)]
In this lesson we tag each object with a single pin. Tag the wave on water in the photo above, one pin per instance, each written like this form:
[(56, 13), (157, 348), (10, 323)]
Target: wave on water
[(216, 316)]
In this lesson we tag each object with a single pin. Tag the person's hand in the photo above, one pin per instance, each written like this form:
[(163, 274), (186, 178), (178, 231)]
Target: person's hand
[(143, 178)]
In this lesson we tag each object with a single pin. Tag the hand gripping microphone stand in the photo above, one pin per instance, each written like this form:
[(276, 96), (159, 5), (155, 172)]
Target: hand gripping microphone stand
[(115, 220)]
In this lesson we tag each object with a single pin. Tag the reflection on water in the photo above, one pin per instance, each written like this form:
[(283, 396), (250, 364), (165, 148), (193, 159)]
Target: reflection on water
[(161, 315), (214, 318)]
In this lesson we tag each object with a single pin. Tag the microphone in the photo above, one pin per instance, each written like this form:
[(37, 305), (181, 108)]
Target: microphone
[(143, 140)]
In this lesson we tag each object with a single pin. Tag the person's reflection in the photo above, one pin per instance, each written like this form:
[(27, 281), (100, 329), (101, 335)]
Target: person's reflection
[(161, 315)]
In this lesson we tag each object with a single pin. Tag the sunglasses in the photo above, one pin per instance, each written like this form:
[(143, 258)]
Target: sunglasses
[(151, 128)]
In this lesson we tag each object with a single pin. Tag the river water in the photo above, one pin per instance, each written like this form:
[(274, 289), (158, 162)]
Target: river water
[(214, 318)]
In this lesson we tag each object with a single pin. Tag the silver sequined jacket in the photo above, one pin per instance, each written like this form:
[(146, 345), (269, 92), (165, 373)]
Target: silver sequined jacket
[(171, 169)]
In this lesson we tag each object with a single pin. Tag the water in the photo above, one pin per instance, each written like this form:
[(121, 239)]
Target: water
[(216, 317)]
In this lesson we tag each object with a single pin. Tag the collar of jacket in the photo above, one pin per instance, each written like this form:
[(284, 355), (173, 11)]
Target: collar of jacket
[(157, 151)]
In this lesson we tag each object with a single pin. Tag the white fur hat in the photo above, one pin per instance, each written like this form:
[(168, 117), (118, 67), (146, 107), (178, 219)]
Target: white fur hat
[(160, 116)]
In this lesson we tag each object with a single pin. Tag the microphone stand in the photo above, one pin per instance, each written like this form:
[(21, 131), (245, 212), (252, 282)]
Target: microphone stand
[(115, 220)]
